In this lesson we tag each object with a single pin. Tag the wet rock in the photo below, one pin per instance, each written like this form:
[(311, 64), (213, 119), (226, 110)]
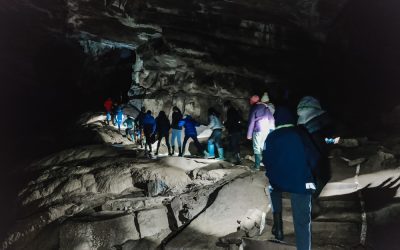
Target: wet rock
[(356, 162), (221, 218), (147, 243), (152, 222), (188, 205), (156, 187), (103, 234), (348, 143), (380, 160), (232, 238), (133, 204), (253, 222)]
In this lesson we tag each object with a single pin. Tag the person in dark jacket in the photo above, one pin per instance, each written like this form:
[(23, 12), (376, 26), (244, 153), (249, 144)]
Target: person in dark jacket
[(190, 132), (130, 127), (261, 122), (139, 126), (163, 126), (149, 128), (290, 158), (176, 130), (233, 124), (108, 105), (320, 126)]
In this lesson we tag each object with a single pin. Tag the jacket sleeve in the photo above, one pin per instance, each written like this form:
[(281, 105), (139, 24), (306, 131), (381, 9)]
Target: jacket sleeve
[(312, 153), (154, 126), (267, 155), (181, 123), (271, 120), (252, 121), (212, 122)]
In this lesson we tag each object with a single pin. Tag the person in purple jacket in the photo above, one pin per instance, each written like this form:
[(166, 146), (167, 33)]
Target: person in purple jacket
[(261, 122)]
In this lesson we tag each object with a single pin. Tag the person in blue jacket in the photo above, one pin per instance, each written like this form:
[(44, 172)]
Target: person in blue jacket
[(130, 128), (289, 160), (149, 128), (119, 117), (320, 126), (190, 132)]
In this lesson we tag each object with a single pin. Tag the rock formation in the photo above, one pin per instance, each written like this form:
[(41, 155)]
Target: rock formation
[(110, 196)]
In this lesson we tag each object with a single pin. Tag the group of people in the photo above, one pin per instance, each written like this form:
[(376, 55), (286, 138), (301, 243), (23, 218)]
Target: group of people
[(114, 113), (146, 130), (293, 150), (161, 127), (295, 155)]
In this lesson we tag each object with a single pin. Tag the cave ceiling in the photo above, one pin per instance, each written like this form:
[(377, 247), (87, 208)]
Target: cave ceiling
[(201, 25)]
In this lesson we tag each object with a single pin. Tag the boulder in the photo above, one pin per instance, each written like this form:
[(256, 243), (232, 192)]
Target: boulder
[(98, 234), (153, 221)]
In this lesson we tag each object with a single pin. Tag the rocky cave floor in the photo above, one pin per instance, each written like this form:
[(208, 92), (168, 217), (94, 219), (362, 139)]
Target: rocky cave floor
[(110, 196)]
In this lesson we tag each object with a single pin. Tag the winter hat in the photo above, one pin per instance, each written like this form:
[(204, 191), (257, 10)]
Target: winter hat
[(283, 116), (309, 102), (308, 108), (254, 99), (265, 97)]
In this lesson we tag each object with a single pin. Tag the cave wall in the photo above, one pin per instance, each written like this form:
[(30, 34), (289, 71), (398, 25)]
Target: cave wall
[(67, 56)]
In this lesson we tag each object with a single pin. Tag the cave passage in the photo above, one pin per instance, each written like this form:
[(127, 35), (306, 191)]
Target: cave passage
[(73, 180)]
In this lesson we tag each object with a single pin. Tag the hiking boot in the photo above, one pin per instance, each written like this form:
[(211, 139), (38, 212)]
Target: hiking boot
[(238, 161), (277, 228), (180, 151), (221, 154), (210, 150), (257, 162)]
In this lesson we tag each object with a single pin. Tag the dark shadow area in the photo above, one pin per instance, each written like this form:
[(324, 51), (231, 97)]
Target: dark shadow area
[(381, 196), (360, 75)]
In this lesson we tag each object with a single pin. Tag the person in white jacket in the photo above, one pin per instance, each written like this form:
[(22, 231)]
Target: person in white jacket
[(215, 139)]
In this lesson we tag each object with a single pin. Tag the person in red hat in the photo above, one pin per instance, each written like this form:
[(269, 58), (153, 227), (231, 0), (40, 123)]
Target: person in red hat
[(108, 105)]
